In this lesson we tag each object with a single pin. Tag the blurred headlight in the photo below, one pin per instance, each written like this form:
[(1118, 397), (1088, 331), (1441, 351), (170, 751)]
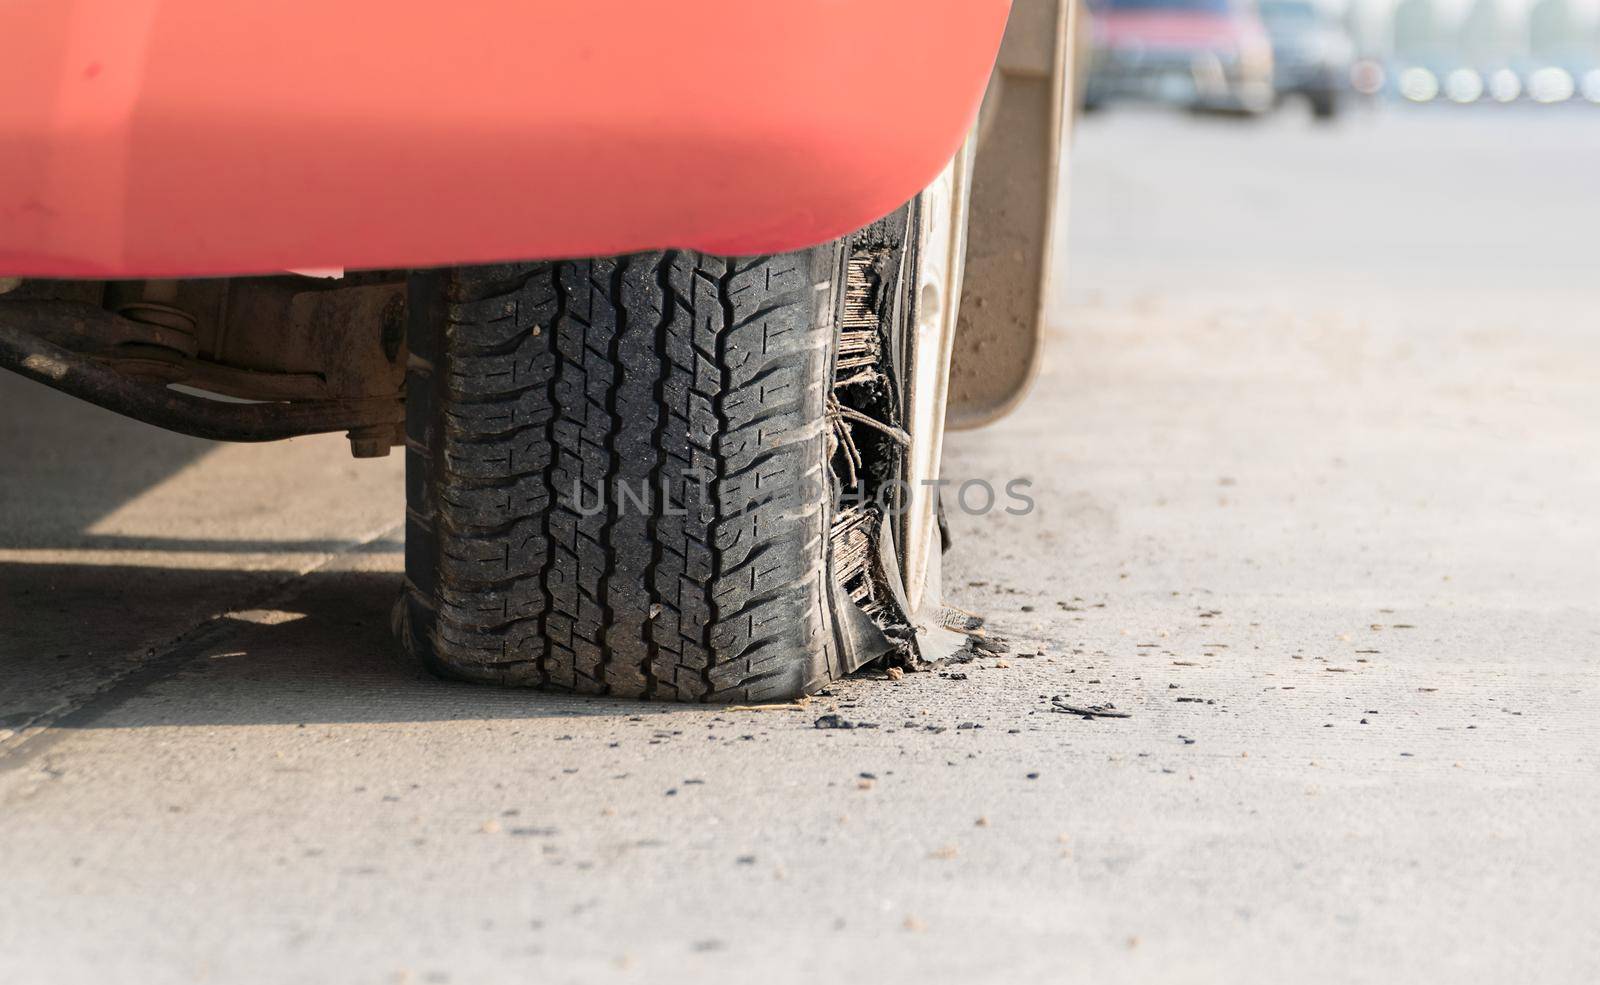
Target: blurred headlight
[(1504, 86), (1367, 77), (1551, 85), (1418, 84), (1463, 86), (1591, 85)]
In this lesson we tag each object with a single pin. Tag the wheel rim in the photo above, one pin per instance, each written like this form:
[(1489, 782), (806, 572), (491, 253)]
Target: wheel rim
[(940, 259)]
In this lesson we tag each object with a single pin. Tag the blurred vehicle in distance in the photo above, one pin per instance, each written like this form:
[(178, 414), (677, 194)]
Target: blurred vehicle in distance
[(1546, 53), (1311, 53), (1200, 54)]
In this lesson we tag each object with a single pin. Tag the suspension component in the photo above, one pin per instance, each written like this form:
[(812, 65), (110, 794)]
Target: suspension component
[(126, 366)]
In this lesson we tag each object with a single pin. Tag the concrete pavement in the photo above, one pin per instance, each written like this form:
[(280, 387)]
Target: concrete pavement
[(1315, 457)]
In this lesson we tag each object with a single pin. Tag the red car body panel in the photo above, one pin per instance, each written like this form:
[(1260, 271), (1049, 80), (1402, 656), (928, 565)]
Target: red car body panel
[(197, 137)]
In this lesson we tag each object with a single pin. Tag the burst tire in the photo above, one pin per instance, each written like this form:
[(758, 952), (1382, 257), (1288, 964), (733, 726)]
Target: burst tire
[(684, 395)]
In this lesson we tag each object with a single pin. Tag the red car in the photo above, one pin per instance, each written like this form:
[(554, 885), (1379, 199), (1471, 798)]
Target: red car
[(659, 298), (1205, 54)]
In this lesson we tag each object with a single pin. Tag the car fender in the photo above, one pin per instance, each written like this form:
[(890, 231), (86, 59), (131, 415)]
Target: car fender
[(190, 137)]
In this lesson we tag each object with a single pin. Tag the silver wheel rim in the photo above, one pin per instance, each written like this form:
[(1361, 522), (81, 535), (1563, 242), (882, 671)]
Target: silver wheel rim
[(936, 301)]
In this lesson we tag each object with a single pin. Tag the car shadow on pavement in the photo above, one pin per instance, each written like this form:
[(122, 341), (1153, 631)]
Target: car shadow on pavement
[(69, 464), (319, 650)]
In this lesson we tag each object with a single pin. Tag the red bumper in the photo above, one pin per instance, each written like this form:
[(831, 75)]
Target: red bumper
[(190, 137)]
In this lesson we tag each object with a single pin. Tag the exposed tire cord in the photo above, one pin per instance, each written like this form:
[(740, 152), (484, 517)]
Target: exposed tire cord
[(616, 471)]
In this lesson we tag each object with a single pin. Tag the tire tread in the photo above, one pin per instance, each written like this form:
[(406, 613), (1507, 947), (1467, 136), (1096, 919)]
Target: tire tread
[(543, 386)]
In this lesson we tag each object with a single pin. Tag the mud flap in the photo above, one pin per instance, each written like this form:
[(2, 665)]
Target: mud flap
[(1015, 190)]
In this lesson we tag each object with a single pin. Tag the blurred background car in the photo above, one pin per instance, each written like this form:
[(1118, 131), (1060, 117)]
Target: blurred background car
[(1311, 53), (1542, 53), (1208, 54), (1200, 54)]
